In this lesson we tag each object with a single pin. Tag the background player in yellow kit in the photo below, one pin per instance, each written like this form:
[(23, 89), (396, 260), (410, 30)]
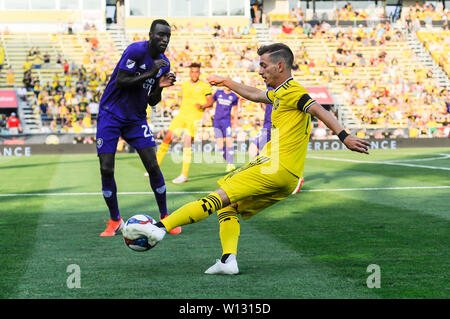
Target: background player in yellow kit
[(196, 97), (271, 176)]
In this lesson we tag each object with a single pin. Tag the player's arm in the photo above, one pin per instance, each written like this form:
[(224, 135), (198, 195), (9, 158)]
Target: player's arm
[(352, 142), (165, 80), (129, 79), (247, 92), (209, 103)]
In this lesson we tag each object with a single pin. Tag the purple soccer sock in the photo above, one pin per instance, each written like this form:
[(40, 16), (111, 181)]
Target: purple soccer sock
[(229, 157), (109, 190), (158, 186)]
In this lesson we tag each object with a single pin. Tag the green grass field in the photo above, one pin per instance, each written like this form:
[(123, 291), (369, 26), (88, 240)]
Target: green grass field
[(392, 211)]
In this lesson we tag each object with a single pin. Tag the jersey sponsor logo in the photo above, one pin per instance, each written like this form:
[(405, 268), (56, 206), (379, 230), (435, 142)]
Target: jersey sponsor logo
[(148, 84), (224, 102), (130, 63)]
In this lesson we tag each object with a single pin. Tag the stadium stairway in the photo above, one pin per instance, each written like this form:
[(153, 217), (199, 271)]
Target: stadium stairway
[(262, 34), (425, 57), (30, 120), (344, 112), (119, 37)]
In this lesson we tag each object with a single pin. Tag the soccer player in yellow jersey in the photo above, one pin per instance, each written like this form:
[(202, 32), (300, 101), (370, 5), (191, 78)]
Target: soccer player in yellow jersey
[(271, 176), (196, 97)]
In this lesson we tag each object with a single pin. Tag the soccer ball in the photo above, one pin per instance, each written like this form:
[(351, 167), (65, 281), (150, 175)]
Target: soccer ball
[(133, 235)]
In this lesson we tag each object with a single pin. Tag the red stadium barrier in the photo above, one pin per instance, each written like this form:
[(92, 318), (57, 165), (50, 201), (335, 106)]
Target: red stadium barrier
[(320, 94), (8, 99)]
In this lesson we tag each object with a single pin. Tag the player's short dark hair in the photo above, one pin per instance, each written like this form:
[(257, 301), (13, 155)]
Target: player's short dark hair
[(278, 51), (195, 65), (156, 22)]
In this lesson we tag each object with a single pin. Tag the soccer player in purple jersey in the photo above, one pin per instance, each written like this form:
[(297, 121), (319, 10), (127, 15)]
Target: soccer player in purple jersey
[(138, 80), (225, 100)]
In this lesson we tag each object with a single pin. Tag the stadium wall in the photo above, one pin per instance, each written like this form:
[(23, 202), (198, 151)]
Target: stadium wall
[(27, 149), (50, 20), (143, 23), (39, 16)]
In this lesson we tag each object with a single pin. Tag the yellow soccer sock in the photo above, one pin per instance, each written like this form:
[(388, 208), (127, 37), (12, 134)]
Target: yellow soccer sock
[(229, 230), (161, 153), (193, 212), (187, 156)]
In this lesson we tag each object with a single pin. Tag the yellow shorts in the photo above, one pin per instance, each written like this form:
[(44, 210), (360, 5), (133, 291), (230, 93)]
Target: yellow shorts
[(182, 124), (254, 187)]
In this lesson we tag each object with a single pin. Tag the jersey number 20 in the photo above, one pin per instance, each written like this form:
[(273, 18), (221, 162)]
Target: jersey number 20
[(147, 131)]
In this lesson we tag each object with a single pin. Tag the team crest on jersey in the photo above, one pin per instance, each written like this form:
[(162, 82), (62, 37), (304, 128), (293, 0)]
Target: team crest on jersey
[(130, 63), (99, 143), (276, 104)]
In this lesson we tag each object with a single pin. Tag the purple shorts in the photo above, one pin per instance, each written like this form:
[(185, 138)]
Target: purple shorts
[(109, 129), (222, 129), (262, 138)]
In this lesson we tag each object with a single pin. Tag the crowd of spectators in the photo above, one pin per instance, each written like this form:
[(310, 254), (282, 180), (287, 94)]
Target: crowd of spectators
[(344, 13), (426, 12), (69, 103), (437, 43)]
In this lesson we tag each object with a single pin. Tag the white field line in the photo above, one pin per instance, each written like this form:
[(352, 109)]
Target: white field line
[(387, 162), (206, 192), (443, 156)]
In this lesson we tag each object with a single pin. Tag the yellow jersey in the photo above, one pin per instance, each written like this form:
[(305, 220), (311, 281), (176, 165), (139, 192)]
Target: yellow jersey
[(193, 93), (291, 125)]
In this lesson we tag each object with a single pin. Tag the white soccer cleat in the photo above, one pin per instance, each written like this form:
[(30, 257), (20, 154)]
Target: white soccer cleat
[(152, 232), (220, 268), (180, 179)]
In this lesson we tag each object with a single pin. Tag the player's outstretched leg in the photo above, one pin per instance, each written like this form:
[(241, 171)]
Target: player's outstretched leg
[(190, 213)]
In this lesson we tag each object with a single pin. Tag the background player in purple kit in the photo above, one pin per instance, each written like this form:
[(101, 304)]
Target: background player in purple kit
[(263, 135), (138, 80), (225, 100)]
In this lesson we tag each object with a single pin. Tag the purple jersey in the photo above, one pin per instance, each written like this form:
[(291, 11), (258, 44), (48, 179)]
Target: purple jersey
[(268, 114), (264, 134), (225, 101), (130, 104)]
